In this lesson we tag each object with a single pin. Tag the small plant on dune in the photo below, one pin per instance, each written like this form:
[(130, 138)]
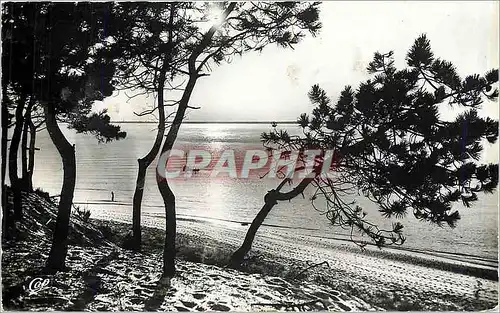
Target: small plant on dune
[(45, 195), (83, 214), (106, 231)]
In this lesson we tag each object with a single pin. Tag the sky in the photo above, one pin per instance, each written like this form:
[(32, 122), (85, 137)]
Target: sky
[(273, 84)]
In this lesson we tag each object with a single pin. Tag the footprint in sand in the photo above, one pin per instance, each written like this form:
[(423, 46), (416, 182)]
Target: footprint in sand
[(199, 296), (188, 304), (181, 309), (277, 281), (335, 298), (322, 295), (264, 296), (220, 307), (343, 306)]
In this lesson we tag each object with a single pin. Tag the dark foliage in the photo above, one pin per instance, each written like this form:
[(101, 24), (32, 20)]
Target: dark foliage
[(57, 54), (99, 125), (391, 145), (45, 195)]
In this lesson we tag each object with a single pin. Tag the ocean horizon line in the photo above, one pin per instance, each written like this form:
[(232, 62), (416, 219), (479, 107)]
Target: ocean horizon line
[(213, 122)]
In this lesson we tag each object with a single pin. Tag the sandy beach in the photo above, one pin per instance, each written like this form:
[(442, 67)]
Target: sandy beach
[(104, 276), (451, 281)]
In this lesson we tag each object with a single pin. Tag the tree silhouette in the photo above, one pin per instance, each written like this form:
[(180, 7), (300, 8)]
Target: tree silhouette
[(60, 56), (390, 144), (148, 50), (158, 38), (240, 27)]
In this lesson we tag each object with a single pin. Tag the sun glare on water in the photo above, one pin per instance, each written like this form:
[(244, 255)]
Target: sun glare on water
[(215, 133)]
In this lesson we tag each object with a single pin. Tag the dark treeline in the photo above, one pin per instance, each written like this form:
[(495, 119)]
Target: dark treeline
[(390, 143)]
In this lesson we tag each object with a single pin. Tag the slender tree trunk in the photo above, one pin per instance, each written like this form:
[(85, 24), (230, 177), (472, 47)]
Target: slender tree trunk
[(163, 187), (165, 191), (238, 256), (137, 202), (24, 151), (170, 230), (31, 154), (13, 159), (24, 148), (59, 248), (146, 161), (5, 133), (270, 200)]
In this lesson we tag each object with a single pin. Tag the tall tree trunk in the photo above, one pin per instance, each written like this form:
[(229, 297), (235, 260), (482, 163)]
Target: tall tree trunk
[(146, 161), (24, 152), (163, 187), (270, 200), (170, 229), (31, 154), (165, 191), (13, 159), (5, 133), (24, 148), (59, 248), (137, 201)]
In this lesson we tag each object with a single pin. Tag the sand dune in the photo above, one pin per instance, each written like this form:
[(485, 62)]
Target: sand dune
[(390, 271)]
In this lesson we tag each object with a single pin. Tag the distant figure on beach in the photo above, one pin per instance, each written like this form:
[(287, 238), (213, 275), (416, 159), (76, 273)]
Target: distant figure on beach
[(112, 196)]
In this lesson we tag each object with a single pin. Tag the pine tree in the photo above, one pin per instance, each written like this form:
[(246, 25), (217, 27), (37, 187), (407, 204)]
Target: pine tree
[(241, 27), (148, 52), (160, 42), (61, 59), (391, 146)]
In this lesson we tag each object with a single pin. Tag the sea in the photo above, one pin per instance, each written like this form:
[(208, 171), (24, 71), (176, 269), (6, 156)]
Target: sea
[(103, 168)]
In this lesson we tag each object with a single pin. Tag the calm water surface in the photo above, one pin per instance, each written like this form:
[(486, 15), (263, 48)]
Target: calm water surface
[(102, 168)]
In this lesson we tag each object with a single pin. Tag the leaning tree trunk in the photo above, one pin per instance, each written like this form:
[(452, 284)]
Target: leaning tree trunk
[(13, 159), (165, 191), (146, 161), (59, 248), (238, 256), (270, 200)]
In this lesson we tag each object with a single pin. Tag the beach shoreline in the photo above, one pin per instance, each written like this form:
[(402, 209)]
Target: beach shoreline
[(276, 273), (232, 234), (374, 275)]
